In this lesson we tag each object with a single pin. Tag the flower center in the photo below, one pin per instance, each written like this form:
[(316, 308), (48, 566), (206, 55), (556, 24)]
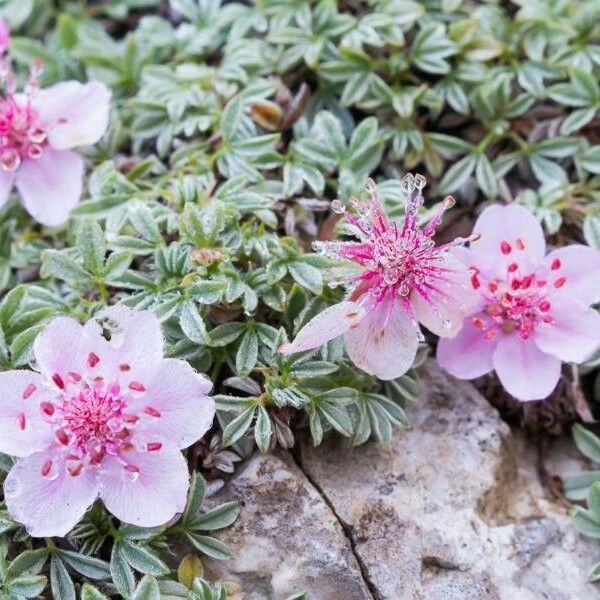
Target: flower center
[(517, 304), (21, 136), (396, 259), (91, 420)]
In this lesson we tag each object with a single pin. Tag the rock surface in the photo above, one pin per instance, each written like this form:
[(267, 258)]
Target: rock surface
[(452, 510), (287, 539)]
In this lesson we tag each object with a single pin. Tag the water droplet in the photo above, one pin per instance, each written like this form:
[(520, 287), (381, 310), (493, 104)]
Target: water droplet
[(338, 207), (446, 323), (420, 182), (407, 183)]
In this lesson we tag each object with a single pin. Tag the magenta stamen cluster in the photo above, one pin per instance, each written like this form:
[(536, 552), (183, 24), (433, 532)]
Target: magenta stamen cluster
[(518, 302), (401, 280), (396, 259), (21, 134), (91, 420)]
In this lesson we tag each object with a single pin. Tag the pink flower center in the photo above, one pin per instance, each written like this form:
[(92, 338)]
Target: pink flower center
[(91, 420), (518, 303), (396, 259), (21, 133), (21, 136)]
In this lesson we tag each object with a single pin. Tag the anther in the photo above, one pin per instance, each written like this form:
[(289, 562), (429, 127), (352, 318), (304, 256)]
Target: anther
[(28, 391)]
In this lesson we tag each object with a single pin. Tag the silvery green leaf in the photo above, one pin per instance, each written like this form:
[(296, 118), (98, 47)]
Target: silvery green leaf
[(147, 589), (60, 581)]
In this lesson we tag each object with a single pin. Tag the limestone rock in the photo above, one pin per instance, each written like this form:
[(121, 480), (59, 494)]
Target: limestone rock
[(286, 539), (453, 509)]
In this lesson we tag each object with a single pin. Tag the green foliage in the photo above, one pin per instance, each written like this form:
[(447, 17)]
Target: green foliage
[(133, 567), (232, 129)]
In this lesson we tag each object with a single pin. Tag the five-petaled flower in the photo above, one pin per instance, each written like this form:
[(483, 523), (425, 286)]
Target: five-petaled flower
[(534, 310), (106, 416), (403, 278), (37, 130)]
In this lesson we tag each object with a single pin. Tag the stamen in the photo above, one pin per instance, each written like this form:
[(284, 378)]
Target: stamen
[(47, 408), (28, 391), (58, 380), (76, 470), (46, 467), (62, 437), (153, 412), (136, 386)]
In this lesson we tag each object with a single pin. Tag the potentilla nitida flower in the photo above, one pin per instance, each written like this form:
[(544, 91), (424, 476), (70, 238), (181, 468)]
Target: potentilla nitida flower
[(106, 416), (533, 310), (402, 278), (37, 130)]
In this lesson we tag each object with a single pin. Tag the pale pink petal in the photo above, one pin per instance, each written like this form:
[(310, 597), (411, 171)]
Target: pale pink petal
[(22, 429), (329, 324), (72, 113), (511, 232), (151, 496), (523, 369), (51, 185), (7, 181), (56, 348), (580, 265), (448, 300), (136, 340), (468, 355), (66, 348), (48, 507), (574, 334), (177, 396), (384, 342)]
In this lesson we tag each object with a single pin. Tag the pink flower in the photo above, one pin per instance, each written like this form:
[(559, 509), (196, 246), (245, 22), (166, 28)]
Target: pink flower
[(4, 36), (37, 131), (106, 416), (401, 278), (534, 310)]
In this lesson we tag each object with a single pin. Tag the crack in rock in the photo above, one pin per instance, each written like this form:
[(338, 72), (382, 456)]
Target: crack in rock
[(346, 528)]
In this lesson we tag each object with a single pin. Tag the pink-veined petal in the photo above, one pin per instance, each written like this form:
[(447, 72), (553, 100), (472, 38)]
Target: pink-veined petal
[(48, 507), (66, 348), (136, 339), (329, 324), (580, 265), (7, 181), (72, 113), (574, 334), (523, 369), (384, 342), (511, 232), (22, 429), (56, 348), (150, 491), (178, 397), (468, 355), (450, 298), (51, 185)]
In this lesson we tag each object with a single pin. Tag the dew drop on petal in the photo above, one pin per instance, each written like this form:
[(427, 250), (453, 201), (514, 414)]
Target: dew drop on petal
[(337, 207)]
